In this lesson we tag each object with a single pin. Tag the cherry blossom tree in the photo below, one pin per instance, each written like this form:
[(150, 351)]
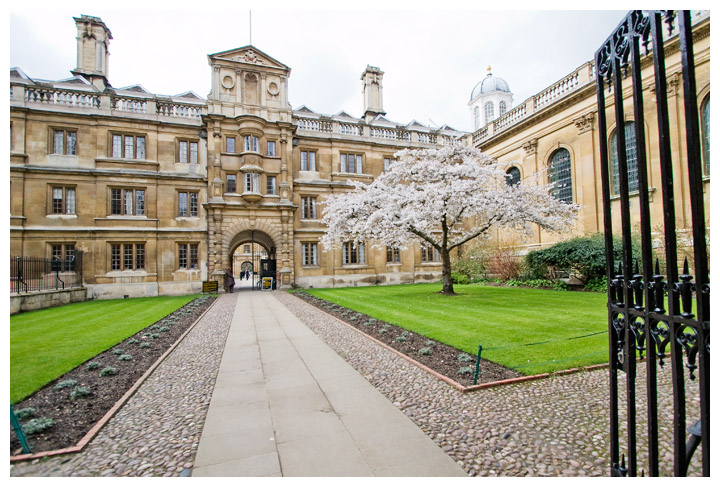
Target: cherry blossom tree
[(443, 197)]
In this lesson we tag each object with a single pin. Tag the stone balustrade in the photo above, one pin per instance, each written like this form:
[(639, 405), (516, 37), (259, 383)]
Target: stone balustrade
[(131, 105), (66, 98), (373, 132)]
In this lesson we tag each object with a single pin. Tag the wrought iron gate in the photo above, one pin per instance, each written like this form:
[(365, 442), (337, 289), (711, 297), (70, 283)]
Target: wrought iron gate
[(650, 314)]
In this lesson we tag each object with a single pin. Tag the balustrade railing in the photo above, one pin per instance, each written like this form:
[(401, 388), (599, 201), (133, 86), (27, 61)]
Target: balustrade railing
[(61, 97), (178, 110), (312, 125), (132, 105), (559, 89), (510, 117)]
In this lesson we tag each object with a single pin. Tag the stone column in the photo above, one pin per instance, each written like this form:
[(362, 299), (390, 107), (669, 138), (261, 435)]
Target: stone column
[(586, 177)]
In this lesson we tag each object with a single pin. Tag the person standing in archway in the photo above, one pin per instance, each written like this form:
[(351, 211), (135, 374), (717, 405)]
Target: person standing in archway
[(229, 280)]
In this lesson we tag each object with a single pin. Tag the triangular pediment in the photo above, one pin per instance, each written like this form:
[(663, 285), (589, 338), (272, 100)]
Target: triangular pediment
[(134, 89), (304, 110), (249, 55), (189, 95)]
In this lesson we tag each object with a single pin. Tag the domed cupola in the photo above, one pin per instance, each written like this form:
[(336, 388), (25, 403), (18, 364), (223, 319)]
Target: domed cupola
[(490, 98)]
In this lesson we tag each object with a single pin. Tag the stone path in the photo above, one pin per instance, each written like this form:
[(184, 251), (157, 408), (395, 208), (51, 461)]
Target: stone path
[(550, 427)]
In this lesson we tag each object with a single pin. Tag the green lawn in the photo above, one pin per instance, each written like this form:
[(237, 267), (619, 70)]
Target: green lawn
[(47, 343), (504, 320)]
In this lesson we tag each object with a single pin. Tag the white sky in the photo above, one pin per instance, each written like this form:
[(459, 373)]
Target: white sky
[(431, 59)]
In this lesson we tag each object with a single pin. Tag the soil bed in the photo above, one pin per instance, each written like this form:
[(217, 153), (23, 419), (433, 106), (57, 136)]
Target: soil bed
[(443, 359), (73, 418)]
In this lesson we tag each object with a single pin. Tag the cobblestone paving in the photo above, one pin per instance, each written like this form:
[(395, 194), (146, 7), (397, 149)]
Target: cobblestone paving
[(156, 433), (551, 427)]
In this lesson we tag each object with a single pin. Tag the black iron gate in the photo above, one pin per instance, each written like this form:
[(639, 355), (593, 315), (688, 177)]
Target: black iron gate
[(658, 317)]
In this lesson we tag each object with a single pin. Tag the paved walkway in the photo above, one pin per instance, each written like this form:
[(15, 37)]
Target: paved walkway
[(285, 404)]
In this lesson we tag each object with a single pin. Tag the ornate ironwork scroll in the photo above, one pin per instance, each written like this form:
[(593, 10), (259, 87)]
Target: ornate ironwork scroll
[(660, 317)]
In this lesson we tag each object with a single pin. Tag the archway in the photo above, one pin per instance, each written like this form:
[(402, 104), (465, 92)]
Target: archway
[(253, 251)]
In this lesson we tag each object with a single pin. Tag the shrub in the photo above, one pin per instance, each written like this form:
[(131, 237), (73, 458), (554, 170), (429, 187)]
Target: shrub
[(430, 343), (155, 336), (401, 338), (25, 413), (164, 328), (464, 357), (65, 383), (466, 370), (458, 278), (125, 357), (597, 284), (383, 330), (472, 264), (144, 345), (79, 391), (425, 351), (118, 351), (108, 371), (37, 425), (133, 341), (93, 365), (583, 256)]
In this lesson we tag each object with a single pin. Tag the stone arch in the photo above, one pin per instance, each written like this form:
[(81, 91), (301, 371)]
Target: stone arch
[(242, 230)]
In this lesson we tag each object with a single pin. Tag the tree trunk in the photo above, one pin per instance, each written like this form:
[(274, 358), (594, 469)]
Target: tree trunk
[(446, 272)]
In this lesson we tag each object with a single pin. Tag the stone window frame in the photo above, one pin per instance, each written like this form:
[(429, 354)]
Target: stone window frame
[(630, 150), (136, 198), (124, 136), (308, 207), (230, 141), (179, 156), (228, 177), (67, 149), (118, 261), (555, 174), (271, 189), (392, 255), (64, 209), (190, 213), (310, 255), (273, 152), (308, 160), (429, 254), (62, 251), (357, 157), (191, 257), (251, 143), (354, 254)]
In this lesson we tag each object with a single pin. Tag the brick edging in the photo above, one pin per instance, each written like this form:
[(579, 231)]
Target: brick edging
[(448, 380), (116, 407)]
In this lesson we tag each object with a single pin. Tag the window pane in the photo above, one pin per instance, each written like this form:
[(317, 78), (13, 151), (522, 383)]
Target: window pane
[(230, 144), (116, 202), (115, 257), (256, 144), (128, 257), (311, 161), (117, 146), (57, 200), (140, 202), (193, 255), (489, 111), (69, 201), (358, 164), (271, 149), (303, 161), (271, 188), (128, 202), (193, 152), (343, 162), (140, 148), (512, 177), (231, 186), (71, 143), (182, 256), (705, 121), (183, 152), (129, 147), (139, 256), (246, 143), (58, 139), (193, 204), (182, 204), (631, 154)]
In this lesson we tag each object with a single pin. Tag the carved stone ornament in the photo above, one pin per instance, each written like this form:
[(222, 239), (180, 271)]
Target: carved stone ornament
[(250, 57), (530, 146), (585, 123)]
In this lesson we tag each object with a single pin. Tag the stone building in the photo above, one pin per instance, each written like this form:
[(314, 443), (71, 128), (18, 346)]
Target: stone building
[(160, 192)]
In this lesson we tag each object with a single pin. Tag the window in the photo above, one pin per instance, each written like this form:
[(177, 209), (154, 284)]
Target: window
[(271, 185), (351, 163), (127, 256), (489, 111), (631, 153), (188, 151), (705, 130), (393, 255), (271, 148), (309, 254), (247, 249), (252, 144), (560, 175), (476, 117), (187, 203), (307, 161), (128, 146), (502, 107), (512, 176), (386, 163), (230, 144), (63, 201), (187, 256), (308, 208), (65, 142), (66, 254), (231, 183), (353, 253), (252, 182), (428, 253), (126, 201)]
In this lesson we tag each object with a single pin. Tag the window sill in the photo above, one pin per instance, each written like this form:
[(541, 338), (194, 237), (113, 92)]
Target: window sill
[(315, 266), (126, 217), (434, 264), (354, 266), (277, 196), (352, 175), (125, 273), (184, 269), (633, 194), (394, 264), (187, 218), (61, 216)]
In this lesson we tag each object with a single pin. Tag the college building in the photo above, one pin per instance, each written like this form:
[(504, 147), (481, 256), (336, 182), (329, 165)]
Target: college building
[(161, 193)]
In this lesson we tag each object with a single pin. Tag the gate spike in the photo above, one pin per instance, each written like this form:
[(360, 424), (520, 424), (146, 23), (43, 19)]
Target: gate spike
[(657, 266), (685, 267), (637, 268)]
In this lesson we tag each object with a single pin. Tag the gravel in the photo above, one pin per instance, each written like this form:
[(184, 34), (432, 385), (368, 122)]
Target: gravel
[(550, 427)]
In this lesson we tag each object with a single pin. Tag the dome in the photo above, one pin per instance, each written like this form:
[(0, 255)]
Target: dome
[(488, 85)]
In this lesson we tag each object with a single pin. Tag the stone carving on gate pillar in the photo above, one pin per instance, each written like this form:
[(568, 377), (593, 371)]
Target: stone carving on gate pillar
[(585, 123), (530, 146)]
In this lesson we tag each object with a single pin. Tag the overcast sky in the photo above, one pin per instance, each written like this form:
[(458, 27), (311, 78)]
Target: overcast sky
[(432, 59)]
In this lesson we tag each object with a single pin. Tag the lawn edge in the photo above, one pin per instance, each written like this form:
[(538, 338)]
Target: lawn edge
[(85, 440), (448, 380)]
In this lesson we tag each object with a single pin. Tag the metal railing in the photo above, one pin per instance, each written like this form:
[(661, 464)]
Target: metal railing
[(29, 274)]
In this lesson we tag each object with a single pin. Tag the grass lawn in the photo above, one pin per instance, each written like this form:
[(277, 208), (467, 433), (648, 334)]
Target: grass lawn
[(45, 344), (504, 320)]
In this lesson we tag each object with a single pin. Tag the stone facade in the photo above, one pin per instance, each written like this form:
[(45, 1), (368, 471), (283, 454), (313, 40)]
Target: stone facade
[(160, 191)]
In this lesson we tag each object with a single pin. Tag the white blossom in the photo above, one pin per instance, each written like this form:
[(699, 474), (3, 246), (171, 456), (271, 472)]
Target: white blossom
[(445, 197)]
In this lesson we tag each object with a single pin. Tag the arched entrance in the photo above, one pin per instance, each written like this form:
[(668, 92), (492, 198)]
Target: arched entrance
[(252, 251)]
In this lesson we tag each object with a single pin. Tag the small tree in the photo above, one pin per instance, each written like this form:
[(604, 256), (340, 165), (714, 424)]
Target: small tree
[(444, 197)]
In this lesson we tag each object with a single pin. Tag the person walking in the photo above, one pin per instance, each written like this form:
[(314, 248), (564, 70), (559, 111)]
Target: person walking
[(229, 280)]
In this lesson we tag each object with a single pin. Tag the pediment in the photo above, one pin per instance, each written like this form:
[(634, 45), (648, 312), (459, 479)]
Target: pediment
[(249, 55)]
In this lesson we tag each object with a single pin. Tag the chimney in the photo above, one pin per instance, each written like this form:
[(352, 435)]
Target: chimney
[(372, 92), (93, 39)]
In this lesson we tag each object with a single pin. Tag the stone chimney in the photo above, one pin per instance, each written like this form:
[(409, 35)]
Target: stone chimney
[(372, 92), (93, 39)]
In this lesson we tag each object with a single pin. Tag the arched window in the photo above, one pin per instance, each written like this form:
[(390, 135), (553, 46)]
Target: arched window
[(631, 153), (476, 117), (705, 128), (512, 176), (489, 111), (559, 174), (502, 108)]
